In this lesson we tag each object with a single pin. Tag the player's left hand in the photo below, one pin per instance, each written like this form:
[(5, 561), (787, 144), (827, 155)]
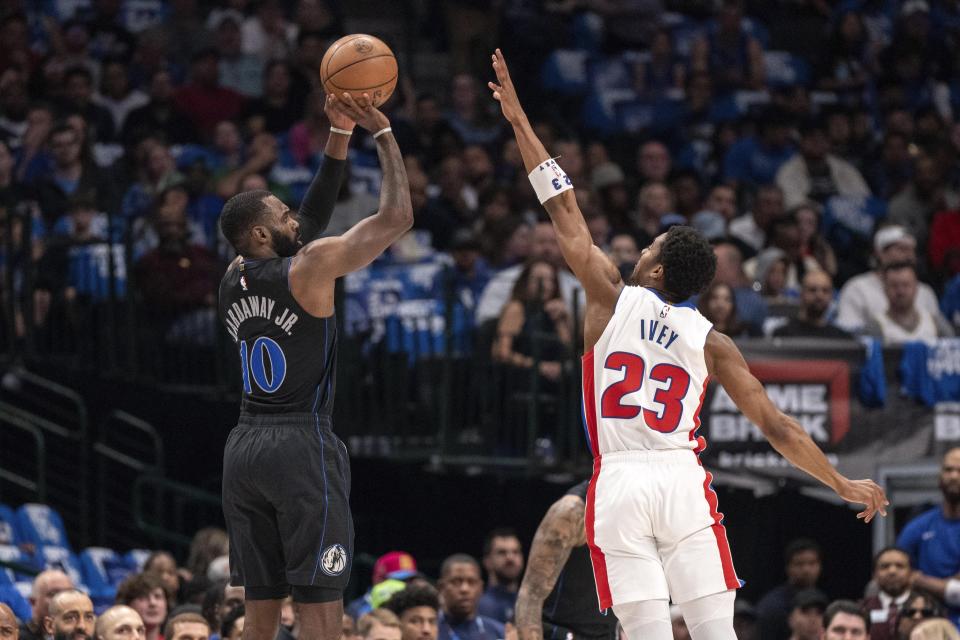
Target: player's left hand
[(338, 117), (866, 492)]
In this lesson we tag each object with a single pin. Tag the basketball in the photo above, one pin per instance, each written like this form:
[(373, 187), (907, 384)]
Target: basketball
[(359, 64)]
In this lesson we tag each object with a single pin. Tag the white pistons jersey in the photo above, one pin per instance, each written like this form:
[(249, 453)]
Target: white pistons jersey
[(644, 380)]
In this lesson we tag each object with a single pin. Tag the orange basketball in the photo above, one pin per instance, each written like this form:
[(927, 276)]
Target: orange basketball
[(359, 64)]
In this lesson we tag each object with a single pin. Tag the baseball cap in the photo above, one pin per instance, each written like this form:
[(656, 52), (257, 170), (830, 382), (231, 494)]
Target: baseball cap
[(605, 175), (891, 235), (807, 598), (382, 592), (709, 223), (394, 565)]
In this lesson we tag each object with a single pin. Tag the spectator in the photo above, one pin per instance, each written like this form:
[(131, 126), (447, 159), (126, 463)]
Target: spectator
[(728, 53), (8, 624), (751, 228), (891, 172), (71, 175), (862, 295), (950, 304), (119, 622), (654, 203), (754, 160), (803, 558), (722, 199), (503, 562), (78, 98), (460, 588), (812, 243), (393, 565), (468, 116), (202, 99), (816, 294), (186, 626), (258, 158), (687, 192), (892, 575), (927, 193), (535, 320), (919, 606), (308, 137), (844, 620), (279, 108), (71, 615), (624, 253), (219, 600), (232, 627), (653, 162), (751, 308), (744, 619), (267, 33), (931, 539), (46, 586), (608, 183), (434, 137), (847, 62), (935, 629), (806, 616), (943, 249), (116, 95), (144, 594), (904, 321), (162, 564), (663, 71), (718, 304), (379, 624), (498, 292), (770, 274), (157, 173), (464, 282), (242, 72), (816, 174), (159, 115), (417, 607)]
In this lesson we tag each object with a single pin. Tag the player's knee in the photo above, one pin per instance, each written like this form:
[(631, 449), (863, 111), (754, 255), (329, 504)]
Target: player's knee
[(716, 607), (645, 619)]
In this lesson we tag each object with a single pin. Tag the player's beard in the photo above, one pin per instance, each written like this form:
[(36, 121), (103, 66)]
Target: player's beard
[(284, 245), (76, 635)]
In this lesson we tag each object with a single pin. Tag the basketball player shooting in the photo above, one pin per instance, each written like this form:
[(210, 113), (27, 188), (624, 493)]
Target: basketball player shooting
[(651, 516), (286, 476)]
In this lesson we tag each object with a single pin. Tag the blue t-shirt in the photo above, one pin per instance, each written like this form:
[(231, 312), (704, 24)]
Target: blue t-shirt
[(751, 162), (478, 628), (950, 301), (933, 542), (498, 603)]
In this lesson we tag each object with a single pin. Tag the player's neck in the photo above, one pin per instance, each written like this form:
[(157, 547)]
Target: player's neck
[(259, 253)]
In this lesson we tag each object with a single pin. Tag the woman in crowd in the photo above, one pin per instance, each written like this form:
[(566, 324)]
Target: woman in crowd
[(719, 305)]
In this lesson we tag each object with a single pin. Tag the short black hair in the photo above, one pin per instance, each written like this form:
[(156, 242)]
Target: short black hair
[(879, 554), (230, 620), (799, 546), (457, 558), (844, 606), (689, 263), (499, 532), (241, 212), (897, 266), (417, 595)]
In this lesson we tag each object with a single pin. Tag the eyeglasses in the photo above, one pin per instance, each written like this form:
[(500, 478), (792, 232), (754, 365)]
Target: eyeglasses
[(912, 613)]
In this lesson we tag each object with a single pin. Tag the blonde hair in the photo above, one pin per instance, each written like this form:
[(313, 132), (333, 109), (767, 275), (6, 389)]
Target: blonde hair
[(935, 629), (378, 616)]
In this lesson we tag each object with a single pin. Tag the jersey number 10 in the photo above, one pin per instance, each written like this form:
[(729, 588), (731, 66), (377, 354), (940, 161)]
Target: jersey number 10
[(264, 362), (671, 396)]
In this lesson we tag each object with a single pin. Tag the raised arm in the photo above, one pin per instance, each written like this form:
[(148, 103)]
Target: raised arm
[(560, 531), (337, 256), (727, 366), (599, 276)]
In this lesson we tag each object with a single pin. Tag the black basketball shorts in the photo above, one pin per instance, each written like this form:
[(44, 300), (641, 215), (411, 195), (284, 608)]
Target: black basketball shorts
[(286, 490)]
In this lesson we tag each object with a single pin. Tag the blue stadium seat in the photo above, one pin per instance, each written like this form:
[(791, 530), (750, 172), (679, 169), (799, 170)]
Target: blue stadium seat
[(135, 559), (565, 71), (54, 557), (610, 72), (10, 553), (783, 69), (11, 596), (40, 525), (8, 526), (103, 569)]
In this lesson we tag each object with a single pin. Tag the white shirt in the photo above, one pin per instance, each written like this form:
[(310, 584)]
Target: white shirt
[(745, 228), (893, 334), (497, 293), (862, 297)]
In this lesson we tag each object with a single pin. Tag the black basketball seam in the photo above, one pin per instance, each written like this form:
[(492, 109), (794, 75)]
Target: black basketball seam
[(365, 88), (334, 52), (380, 55)]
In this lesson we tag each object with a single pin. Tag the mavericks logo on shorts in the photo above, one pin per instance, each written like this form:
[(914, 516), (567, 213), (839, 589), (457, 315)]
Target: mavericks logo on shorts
[(334, 560)]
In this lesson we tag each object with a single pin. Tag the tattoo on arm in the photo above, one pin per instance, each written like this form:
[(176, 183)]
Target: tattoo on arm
[(394, 191), (560, 531)]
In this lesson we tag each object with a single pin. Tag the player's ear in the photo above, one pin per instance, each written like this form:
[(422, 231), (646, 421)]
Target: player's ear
[(657, 272), (259, 234)]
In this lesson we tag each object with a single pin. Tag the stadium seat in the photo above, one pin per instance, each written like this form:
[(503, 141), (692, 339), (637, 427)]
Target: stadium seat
[(10, 553), (103, 569), (40, 525), (784, 69), (565, 71), (135, 559), (11, 595), (54, 557), (8, 525)]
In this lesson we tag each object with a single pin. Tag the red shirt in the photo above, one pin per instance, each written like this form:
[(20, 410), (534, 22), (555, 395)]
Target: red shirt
[(206, 106)]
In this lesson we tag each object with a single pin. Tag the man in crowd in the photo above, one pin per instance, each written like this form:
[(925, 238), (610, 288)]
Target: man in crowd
[(70, 616), (806, 617), (931, 540), (751, 229), (418, 608), (891, 573), (393, 565), (816, 293), (144, 594), (120, 622), (46, 585), (751, 308), (503, 562), (8, 624), (460, 588), (844, 620), (186, 626), (379, 624), (802, 565), (903, 321)]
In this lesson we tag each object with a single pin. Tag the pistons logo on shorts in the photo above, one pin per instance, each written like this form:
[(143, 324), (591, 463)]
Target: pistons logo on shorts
[(334, 560)]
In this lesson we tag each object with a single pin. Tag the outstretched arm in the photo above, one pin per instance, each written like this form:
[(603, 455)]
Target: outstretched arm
[(358, 247), (560, 531), (726, 364), (599, 276)]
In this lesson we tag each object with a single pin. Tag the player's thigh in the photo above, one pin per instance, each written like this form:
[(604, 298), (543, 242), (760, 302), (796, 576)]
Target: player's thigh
[(637, 575), (619, 507)]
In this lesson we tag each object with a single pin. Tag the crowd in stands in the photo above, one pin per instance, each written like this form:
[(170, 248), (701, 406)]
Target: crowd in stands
[(915, 586)]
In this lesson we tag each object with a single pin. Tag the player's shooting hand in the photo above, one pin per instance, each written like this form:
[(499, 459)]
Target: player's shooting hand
[(360, 111), (337, 117), (503, 89), (865, 492)]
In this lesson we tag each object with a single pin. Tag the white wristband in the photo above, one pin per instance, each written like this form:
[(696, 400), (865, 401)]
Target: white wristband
[(549, 180), (381, 132), (343, 132), (951, 594)]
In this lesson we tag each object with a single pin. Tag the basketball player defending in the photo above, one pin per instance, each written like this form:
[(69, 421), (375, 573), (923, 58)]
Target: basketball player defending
[(651, 515), (286, 476)]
